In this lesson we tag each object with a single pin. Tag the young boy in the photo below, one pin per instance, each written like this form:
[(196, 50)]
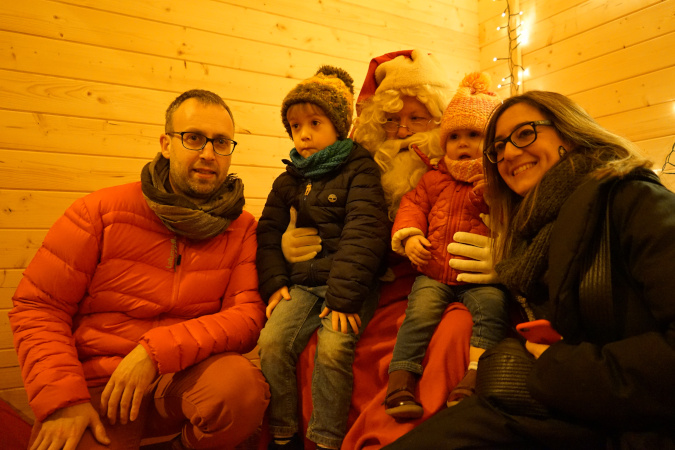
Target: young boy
[(334, 185), (446, 200)]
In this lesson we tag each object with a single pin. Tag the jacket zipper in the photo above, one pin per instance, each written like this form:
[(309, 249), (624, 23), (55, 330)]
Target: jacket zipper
[(308, 189), (177, 245)]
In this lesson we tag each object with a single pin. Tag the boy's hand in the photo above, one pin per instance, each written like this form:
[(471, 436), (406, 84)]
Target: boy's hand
[(342, 321), (275, 298), (416, 250), (299, 244)]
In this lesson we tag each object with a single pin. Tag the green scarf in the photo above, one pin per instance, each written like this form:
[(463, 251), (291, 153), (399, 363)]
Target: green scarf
[(181, 215), (323, 161), (523, 270)]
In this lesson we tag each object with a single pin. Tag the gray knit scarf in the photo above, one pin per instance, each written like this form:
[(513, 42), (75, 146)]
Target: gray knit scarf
[(532, 224), (184, 217)]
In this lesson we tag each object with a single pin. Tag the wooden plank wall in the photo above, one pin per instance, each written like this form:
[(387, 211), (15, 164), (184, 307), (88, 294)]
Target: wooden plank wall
[(614, 58), (84, 85)]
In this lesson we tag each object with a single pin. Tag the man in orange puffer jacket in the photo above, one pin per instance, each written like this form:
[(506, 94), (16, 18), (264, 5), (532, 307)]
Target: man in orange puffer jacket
[(142, 299)]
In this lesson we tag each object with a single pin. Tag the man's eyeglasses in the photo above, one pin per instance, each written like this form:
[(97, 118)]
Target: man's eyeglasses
[(416, 125), (521, 137), (195, 141)]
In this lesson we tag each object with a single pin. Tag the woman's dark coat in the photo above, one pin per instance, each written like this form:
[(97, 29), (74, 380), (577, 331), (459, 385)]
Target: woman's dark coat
[(627, 381)]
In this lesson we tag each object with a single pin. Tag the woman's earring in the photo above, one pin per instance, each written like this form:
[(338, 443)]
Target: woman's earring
[(561, 151)]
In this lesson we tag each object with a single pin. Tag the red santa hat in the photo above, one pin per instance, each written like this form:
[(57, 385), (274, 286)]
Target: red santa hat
[(401, 69)]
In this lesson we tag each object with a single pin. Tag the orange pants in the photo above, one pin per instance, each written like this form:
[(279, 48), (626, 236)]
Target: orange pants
[(215, 404)]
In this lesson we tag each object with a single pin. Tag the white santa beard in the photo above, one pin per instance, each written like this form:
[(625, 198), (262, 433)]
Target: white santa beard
[(402, 168)]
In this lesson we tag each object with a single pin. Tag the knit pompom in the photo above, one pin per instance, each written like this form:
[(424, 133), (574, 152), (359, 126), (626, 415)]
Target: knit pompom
[(339, 73), (478, 82), (471, 106)]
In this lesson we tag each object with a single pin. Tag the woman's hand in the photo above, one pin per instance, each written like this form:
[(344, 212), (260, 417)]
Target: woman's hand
[(299, 244), (536, 349)]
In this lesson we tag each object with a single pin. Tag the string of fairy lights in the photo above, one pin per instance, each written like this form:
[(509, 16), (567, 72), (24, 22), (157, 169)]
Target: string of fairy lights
[(517, 36), (668, 165)]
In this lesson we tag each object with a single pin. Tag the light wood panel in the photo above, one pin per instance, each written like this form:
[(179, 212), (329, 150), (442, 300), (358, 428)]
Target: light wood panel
[(17, 398), (633, 93), (25, 209), (389, 22), (74, 60), (17, 248), (52, 133), (10, 377), (147, 36), (46, 94)]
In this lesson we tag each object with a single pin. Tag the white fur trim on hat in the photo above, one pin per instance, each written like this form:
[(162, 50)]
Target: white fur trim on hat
[(401, 72)]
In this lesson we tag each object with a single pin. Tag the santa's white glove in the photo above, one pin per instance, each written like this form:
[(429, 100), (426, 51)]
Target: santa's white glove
[(479, 268), (299, 244)]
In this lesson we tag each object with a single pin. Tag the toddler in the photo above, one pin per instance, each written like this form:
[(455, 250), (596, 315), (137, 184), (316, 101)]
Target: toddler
[(446, 200)]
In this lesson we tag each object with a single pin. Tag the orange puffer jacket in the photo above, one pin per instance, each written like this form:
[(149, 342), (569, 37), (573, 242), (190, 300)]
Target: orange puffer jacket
[(437, 208), (110, 275)]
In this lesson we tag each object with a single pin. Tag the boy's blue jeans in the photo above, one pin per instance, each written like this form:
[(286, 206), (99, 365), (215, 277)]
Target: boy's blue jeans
[(426, 303), (284, 337)]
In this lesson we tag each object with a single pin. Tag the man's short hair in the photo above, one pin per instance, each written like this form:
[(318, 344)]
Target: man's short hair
[(203, 96)]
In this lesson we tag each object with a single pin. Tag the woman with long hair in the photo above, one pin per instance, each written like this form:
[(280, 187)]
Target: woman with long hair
[(585, 241)]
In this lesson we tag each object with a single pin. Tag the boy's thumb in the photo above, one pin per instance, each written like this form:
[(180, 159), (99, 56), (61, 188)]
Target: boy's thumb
[(294, 218)]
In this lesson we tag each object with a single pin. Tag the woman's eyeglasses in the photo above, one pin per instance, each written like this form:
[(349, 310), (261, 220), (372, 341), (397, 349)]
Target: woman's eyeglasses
[(521, 137)]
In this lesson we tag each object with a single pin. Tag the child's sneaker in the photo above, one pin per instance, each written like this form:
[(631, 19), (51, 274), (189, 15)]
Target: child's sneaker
[(465, 388), (295, 443)]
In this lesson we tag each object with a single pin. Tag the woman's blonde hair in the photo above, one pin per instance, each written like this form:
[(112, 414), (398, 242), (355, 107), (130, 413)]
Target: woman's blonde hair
[(613, 155)]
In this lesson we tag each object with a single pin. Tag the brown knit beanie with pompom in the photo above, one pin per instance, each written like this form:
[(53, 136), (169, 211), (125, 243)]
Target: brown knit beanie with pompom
[(332, 89), (471, 107)]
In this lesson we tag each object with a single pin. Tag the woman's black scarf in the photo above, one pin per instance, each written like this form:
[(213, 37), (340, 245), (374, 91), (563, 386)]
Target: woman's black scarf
[(522, 271), (184, 217)]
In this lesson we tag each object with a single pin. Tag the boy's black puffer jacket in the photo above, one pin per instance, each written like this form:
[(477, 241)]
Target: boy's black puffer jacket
[(348, 209)]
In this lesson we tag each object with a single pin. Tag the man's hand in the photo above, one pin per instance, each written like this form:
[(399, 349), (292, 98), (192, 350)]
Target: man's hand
[(416, 250), (127, 386), (299, 244), (275, 298), (480, 267), (64, 428), (342, 321)]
